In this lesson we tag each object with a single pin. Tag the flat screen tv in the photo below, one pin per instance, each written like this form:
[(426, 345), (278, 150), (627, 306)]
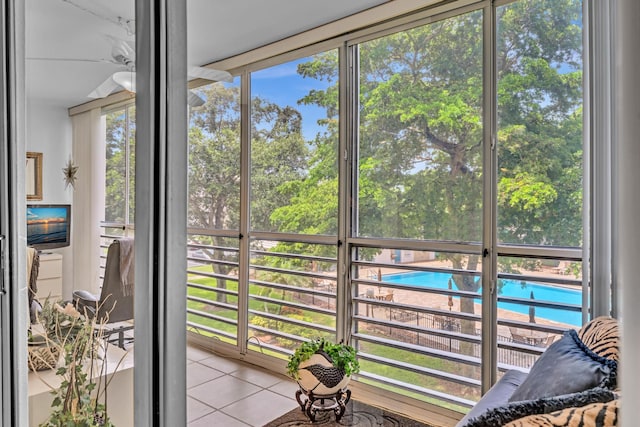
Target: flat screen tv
[(48, 226)]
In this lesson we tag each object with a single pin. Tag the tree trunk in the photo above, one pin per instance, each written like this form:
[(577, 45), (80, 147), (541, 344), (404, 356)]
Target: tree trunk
[(467, 305)]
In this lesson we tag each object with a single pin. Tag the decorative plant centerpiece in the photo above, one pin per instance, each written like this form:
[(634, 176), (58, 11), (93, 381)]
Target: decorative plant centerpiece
[(79, 400), (323, 371)]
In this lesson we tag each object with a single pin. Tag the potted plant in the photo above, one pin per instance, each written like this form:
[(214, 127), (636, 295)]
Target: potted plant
[(323, 371), (79, 400), (57, 327)]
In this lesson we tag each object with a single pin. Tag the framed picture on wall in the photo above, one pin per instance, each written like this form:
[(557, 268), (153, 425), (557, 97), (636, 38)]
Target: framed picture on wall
[(33, 177)]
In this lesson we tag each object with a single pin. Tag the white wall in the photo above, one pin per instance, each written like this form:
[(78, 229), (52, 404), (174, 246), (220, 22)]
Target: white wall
[(48, 131)]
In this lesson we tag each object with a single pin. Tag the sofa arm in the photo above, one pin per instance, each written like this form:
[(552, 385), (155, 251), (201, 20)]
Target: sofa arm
[(498, 395)]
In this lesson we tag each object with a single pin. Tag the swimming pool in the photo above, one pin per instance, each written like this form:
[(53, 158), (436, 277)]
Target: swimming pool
[(510, 288)]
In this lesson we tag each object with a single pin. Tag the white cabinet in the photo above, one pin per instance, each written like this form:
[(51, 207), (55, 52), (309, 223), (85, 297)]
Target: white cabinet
[(49, 276)]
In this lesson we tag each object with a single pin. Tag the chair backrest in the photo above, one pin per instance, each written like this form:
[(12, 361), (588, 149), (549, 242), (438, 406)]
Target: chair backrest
[(517, 337), (114, 301), (549, 340)]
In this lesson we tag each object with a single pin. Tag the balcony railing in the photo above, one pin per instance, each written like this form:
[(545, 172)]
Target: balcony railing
[(417, 333)]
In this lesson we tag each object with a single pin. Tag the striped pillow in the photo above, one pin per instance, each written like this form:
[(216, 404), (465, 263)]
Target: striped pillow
[(602, 336), (593, 415)]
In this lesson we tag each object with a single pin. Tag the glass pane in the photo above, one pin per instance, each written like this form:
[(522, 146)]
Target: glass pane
[(116, 167), (420, 132), (132, 164), (523, 280), (212, 287), (540, 123), (419, 309), (214, 157), (538, 299), (294, 139), (292, 294)]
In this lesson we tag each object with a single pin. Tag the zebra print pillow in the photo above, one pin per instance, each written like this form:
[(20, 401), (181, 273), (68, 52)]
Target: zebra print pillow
[(593, 415), (523, 410)]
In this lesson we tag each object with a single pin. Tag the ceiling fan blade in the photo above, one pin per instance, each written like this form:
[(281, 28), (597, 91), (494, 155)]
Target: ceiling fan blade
[(210, 74), (100, 61), (127, 80), (123, 79), (194, 100), (104, 89), (122, 51)]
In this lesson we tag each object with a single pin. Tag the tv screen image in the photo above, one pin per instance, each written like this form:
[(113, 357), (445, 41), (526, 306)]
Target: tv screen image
[(48, 226)]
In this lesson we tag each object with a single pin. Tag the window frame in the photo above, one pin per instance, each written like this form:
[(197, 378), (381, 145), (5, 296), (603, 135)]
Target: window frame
[(348, 136)]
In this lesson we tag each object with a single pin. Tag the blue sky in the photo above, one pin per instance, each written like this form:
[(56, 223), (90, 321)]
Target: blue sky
[(45, 212), (282, 85)]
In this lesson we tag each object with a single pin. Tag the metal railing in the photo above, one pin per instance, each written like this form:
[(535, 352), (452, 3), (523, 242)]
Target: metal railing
[(411, 338)]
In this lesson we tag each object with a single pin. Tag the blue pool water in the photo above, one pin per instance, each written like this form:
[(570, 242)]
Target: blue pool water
[(511, 288)]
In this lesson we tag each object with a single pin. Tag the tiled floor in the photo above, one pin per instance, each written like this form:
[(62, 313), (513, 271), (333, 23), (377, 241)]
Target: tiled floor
[(230, 393)]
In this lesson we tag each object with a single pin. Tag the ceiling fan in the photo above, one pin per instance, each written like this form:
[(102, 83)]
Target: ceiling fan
[(124, 54)]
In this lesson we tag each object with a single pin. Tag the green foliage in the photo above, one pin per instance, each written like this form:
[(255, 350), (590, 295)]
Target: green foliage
[(419, 165), (120, 154), (342, 355), (77, 400)]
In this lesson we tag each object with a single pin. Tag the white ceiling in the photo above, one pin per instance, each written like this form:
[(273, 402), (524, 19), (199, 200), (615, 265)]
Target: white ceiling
[(217, 29)]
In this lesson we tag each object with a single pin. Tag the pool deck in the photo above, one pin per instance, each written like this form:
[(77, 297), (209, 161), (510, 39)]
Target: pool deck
[(442, 301)]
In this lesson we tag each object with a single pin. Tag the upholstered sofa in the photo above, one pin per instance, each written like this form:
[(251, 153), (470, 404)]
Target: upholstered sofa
[(572, 384)]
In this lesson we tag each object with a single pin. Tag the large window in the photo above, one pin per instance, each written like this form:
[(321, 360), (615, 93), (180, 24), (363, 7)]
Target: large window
[(119, 202), (539, 71), (213, 208), (398, 209), (420, 180), (120, 166), (420, 132), (294, 142)]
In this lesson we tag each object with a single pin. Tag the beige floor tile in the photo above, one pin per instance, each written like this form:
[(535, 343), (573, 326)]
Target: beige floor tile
[(196, 409), (198, 374), (217, 419), (286, 388), (222, 391), (222, 364), (196, 353), (257, 376), (258, 409)]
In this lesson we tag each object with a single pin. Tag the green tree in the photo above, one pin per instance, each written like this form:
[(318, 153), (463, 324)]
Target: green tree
[(278, 156), (540, 122), (120, 148), (420, 131)]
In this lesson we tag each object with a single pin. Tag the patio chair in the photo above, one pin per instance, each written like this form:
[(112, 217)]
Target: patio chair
[(115, 303), (531, 337), (516, 336)]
